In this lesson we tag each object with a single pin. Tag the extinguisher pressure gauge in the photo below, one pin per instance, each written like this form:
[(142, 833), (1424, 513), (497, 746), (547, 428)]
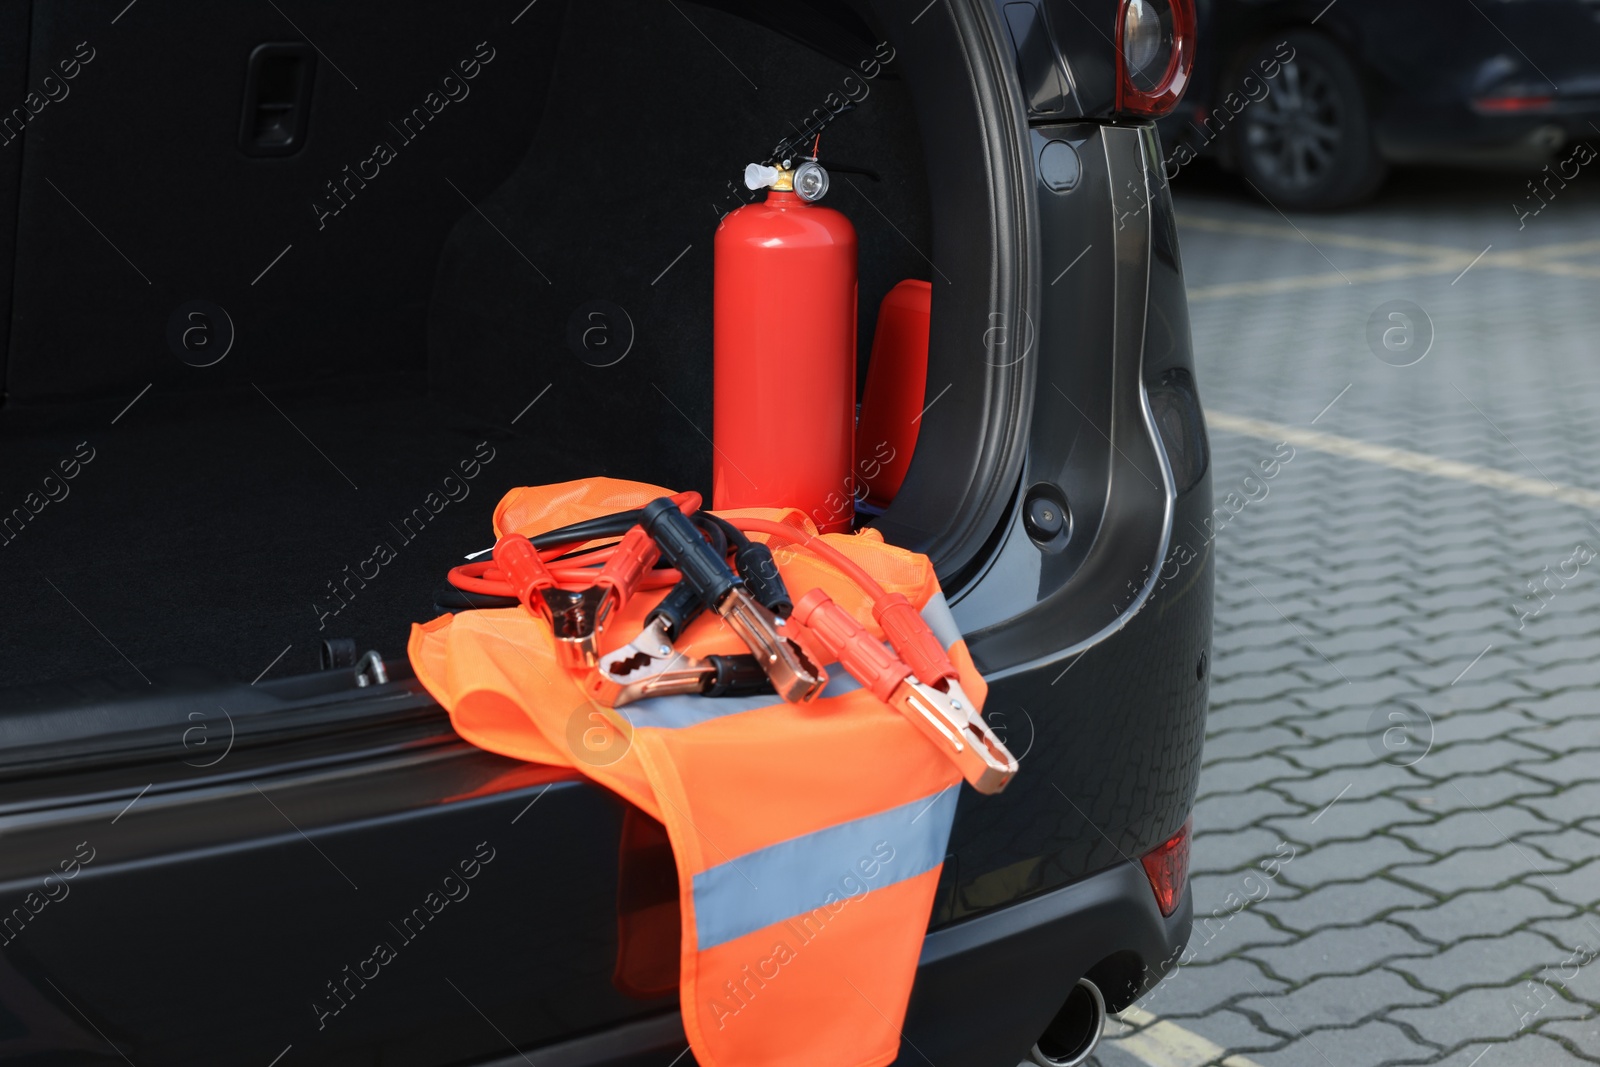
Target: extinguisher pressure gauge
[(810, 181)]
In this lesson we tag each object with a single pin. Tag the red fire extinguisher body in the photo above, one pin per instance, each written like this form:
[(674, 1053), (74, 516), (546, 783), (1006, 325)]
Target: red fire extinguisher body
[(785, 355)]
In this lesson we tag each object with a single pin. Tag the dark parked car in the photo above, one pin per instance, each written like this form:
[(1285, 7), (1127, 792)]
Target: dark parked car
[(1311, 101), (290, 303)]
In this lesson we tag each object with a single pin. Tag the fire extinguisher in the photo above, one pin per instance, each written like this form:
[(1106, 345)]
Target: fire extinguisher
[(785, 351)]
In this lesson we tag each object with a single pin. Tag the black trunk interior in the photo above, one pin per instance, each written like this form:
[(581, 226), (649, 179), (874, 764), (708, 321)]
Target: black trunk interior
[(407, 359)]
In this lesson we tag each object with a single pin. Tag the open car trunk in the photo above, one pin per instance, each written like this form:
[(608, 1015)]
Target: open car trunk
[(277, 340), (254, 401), (227, 457)]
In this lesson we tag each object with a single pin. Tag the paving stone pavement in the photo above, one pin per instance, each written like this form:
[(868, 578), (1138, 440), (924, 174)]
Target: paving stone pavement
[(1397, 851)]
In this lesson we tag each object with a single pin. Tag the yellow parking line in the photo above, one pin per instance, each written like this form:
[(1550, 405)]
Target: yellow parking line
[(1374, 244), (1166, 1044), (1427, 259), (1327, 237), (1295, 282), (1396, 272), (1570, 248), (1402, 459), (1556, 267)]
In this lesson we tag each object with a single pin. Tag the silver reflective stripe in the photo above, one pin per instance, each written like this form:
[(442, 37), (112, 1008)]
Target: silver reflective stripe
[(802, 877), (678, 712), (936, 613)]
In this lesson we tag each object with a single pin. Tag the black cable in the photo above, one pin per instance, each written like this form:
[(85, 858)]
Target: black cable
[(735, 536), (447, 598), (713, 529), (577, 552), (755, 565), (615, 525), (588, 530)]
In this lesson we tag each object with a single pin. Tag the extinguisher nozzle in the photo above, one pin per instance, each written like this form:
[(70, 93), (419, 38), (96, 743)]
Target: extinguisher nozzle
[(760, 176)]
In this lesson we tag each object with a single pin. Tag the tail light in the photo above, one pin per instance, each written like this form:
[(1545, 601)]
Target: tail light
[(1155, 53), (1167, 867), (1501, 105)]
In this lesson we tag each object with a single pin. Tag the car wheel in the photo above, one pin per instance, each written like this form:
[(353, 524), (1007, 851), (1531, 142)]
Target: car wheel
[(1308, 143)]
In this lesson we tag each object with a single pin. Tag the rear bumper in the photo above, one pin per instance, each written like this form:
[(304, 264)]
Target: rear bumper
[(985, 987), (1461, 133), (1472, 98)]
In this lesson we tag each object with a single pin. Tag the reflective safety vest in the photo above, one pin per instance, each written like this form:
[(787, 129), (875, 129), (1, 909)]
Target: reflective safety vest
[(808, 839)]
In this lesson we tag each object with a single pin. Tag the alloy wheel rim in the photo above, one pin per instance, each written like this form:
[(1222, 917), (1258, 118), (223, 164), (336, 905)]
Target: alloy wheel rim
[(1294, 133)]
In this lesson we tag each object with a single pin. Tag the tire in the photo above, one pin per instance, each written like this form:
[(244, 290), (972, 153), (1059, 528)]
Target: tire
[(1308, 144)]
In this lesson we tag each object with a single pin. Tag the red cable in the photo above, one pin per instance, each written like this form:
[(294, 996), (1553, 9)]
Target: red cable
[(815, 544), (902, 623), (483, 578)]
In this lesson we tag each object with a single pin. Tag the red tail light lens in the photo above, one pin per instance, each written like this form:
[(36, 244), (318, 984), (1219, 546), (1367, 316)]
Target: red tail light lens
[(1167, 867), (1155, 53), (1496, 105)]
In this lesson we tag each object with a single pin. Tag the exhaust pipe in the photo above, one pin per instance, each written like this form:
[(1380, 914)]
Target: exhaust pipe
[(1072, 1035)]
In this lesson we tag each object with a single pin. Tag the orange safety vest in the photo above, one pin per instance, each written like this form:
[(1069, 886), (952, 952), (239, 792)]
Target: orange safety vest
[(808, 838)]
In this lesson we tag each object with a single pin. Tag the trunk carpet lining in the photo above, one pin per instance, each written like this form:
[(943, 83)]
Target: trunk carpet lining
[(219, 531)]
